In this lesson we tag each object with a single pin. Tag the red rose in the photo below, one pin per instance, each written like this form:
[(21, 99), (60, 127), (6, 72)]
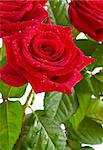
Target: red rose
[(42, 2), (16, 15), (45, 56), (87, 17)]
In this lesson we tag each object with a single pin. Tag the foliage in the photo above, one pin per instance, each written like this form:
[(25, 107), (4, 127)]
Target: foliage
[(10, 123)]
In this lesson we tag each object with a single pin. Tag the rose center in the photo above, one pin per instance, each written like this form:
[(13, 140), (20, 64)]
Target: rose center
[(46, 49)]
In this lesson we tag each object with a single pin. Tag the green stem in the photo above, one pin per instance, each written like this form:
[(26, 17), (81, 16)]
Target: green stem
[(28, 98), (19, 141)]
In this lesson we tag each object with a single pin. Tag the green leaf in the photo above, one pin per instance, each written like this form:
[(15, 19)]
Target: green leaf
[(97, 86), (74, 144), (84, 93), (95, 111), (59, 106), (99, 76), (98, 55), (10, 91), (86, 45), (11, 115), (89, 132), (92, 108), (2, 56), (58, 12), (41, 133)]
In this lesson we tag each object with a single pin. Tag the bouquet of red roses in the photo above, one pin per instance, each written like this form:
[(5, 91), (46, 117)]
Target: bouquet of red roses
[(58, 52)]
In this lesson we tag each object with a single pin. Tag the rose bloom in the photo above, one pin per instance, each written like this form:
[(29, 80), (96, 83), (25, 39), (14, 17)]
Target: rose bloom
[(17, 14), (45, 56), (87, 17)]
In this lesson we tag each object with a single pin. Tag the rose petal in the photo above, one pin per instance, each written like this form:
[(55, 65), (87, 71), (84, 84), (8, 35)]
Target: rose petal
[(10, 76)]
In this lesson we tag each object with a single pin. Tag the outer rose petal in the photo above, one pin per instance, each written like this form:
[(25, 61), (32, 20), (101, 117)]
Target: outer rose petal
[(72, 79), (87, 17), (42, 2), (10, 76), (38, 84), (48, 86)]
